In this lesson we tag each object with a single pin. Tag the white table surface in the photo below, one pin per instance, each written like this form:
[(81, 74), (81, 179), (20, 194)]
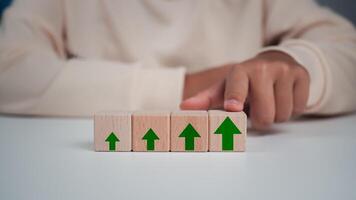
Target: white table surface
[(46, 158)]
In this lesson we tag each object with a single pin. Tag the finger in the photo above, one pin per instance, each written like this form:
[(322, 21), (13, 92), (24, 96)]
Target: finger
[(283, 94), (301, 92), (236, 89), (262, 102), (209, 98)]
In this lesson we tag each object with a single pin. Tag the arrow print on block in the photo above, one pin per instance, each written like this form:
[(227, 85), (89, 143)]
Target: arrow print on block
[(227, 129), (112, 139), (150, 138), (189, 133)]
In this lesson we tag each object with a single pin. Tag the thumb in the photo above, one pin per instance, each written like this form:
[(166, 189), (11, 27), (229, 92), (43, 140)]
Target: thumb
[(209, 98)]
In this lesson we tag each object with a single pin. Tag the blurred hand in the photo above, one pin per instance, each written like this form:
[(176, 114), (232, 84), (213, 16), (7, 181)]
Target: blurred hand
[(275, 85)]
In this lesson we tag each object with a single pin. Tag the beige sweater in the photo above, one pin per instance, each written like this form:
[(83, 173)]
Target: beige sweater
[(75, 57)]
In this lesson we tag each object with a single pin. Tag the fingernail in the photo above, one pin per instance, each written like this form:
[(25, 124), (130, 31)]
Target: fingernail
[(233, 105)]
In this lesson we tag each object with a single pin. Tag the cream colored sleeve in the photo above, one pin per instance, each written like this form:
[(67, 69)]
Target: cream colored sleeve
[(36, 77), (321, 41)]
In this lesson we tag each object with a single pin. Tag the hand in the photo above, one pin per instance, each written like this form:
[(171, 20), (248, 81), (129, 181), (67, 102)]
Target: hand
[(275, 85)]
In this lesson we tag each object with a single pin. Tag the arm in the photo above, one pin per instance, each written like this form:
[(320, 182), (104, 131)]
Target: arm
[(36, 76), (310, 49), (323, 43)]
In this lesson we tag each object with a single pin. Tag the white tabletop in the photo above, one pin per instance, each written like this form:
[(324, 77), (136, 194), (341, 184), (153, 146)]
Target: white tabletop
[(43, 158)]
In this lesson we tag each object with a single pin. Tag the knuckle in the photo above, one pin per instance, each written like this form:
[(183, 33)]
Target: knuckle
[(301, 72), (236, 69), (284, 69), (262, 67), (261, 70)]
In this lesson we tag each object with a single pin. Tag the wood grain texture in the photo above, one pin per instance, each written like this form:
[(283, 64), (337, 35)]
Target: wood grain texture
[(216, 117), (159, 122), (107, 122), (180, 120)]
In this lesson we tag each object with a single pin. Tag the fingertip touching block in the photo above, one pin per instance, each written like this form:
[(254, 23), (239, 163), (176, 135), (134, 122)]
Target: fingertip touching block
[(150, 131), (227, 131), (189, 131), (112, 131)]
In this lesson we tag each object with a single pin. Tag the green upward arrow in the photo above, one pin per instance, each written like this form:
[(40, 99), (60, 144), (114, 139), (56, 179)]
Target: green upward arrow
[(112, 139), (189, 133), (227, 129), (150, 138)]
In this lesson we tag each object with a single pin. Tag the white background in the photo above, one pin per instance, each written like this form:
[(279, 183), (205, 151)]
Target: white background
[(43, 158)]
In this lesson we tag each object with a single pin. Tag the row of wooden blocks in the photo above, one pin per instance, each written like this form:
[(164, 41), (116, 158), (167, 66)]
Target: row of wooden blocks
[(170, 131)]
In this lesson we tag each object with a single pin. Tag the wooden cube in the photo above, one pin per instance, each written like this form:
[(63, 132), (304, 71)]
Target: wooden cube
[(150, 131), (112, 131), (227, 131), (189, 131)]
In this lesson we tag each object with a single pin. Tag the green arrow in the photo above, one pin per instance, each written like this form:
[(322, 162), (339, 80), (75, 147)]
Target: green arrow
[(150, 138), (189, 133), (227, 129), (112, 139)]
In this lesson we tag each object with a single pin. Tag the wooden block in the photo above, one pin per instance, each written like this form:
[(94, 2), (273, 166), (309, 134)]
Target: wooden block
[(227, 131), (189, 131), (150, 131), (112, 131)]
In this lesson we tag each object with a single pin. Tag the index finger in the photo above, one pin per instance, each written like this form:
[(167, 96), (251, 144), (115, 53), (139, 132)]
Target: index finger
[(236, 90)]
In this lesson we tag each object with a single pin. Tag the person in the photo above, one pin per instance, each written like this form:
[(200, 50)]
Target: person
[(280, 58)]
